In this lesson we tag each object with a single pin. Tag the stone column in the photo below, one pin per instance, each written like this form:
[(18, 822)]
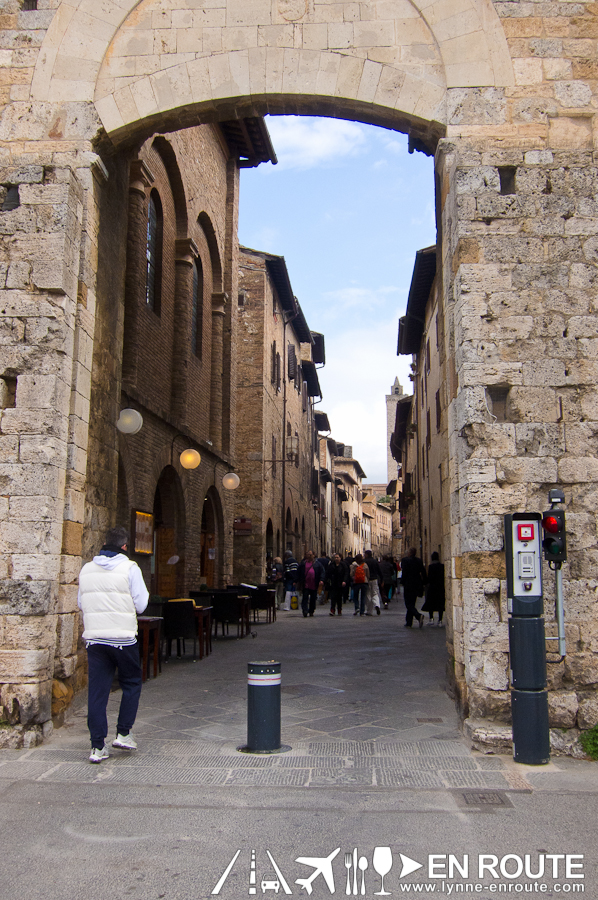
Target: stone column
[(136, 273), (216, 394), (43, 428), (186, 253)]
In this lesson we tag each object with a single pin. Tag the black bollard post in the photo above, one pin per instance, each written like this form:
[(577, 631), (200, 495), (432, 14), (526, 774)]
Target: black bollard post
[(263, 708)]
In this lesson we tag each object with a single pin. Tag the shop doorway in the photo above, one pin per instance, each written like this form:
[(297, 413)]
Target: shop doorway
[(169, 536)]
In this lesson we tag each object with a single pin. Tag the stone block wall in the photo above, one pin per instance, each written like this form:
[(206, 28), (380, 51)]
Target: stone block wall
[(521, 299)]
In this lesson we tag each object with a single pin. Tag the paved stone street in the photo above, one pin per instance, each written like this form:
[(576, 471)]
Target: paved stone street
[(377, 758)]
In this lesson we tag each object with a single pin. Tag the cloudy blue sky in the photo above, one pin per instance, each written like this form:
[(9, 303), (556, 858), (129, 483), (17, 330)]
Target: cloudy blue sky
[(348, 207)]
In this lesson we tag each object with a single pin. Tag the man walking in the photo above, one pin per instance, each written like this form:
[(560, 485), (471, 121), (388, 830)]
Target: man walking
[(413, 578), (311, 577), (111, 593), (336, 579)]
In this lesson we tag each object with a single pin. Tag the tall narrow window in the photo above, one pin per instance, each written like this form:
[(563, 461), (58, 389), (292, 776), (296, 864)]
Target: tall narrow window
[(291, 362), (197, 309), (155, 229)]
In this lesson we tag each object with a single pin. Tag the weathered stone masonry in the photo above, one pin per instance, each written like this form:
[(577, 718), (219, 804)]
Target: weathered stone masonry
[(504, 93)]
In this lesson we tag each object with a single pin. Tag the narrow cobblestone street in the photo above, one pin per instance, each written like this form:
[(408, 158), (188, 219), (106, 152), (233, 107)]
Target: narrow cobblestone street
[(377, 758)]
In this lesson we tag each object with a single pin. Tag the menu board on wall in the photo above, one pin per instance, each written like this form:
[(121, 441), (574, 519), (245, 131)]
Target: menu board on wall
[(142, 527)]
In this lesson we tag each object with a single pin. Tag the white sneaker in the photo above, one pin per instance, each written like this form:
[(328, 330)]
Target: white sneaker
[(124, 742), (97, 755)]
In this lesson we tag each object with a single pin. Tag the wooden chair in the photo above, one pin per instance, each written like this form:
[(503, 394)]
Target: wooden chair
[(227, 609), (180, 623), (264, 598)]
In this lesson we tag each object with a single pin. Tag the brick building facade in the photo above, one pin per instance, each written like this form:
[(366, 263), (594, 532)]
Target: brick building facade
[(276, 504)]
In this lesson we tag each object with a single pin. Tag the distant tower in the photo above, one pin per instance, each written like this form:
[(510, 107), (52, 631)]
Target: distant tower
[(396, 393)]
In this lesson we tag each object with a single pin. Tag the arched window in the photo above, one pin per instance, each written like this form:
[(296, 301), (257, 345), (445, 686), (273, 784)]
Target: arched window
[(197, 309), (155, 230)]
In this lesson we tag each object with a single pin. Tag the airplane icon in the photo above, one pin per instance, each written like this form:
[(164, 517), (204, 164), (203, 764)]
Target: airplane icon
[(322, 865)]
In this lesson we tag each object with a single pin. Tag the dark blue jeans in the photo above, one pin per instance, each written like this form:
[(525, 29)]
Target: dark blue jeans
[(103, 662), (359, 597)]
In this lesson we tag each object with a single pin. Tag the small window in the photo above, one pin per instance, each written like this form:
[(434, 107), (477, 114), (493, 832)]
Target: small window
[(507, 179), (28, 5), (8, 392), (155, 232), (11, 200), (497, 396)]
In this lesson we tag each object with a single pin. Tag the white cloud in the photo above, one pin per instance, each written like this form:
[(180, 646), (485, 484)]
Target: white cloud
[(265, 239), (363, 300), (361, 366), (305, 143)]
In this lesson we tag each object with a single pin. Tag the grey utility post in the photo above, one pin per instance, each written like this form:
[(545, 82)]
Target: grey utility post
[(527, 647)]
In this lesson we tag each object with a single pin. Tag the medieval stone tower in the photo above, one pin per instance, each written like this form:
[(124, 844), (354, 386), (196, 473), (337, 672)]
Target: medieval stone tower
[(396, 393)]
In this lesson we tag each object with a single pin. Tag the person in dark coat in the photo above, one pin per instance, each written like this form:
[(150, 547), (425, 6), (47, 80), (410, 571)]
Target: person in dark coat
[(337, 577), (389, 579), (435, 597), (413, 579), (290, 568), (310, 576)]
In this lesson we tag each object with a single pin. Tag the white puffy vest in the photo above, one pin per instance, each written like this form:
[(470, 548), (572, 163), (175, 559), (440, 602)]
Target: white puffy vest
[(106, 602)]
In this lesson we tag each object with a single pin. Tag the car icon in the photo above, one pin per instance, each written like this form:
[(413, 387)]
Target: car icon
[(270, 884)]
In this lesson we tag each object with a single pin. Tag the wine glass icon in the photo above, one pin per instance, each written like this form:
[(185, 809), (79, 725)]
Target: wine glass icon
[(382, 862)]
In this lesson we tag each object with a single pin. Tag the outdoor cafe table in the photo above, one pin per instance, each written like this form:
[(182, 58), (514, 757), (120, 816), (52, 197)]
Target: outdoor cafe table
[(147, 624)]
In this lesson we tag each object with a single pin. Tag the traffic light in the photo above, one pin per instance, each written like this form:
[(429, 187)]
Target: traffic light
[(555, 539)]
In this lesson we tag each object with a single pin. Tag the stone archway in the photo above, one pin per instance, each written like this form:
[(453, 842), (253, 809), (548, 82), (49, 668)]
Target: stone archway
[(162, 64), (507, 102)]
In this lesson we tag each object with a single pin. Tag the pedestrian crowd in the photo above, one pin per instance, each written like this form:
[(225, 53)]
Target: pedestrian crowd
[(112, 593), (371, 584)]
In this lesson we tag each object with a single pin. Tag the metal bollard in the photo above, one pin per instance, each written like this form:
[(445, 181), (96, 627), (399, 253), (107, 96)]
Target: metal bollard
[(263, 708)]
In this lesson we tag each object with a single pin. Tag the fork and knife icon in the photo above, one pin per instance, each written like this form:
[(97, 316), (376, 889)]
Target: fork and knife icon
[(352, 862)]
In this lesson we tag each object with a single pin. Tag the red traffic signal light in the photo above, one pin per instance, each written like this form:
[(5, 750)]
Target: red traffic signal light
[(555, 540), (550, 523)]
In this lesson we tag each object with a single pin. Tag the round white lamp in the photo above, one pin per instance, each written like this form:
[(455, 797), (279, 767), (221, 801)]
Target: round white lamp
[(231, 481), (129, 421), (190, 459)]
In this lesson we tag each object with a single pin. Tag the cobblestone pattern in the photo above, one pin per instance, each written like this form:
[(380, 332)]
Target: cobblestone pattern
[(311, 765)]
